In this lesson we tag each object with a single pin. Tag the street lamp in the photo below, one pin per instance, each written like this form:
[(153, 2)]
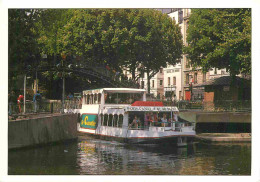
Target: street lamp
[(191, 81), (28, 68), (63, 83)]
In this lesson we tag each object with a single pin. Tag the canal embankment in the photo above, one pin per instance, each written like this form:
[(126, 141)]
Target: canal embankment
[(220, 126), (41, 129), (224, 137)]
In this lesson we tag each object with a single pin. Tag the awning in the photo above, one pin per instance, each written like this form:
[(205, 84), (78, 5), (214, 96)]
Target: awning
[(147, 103)]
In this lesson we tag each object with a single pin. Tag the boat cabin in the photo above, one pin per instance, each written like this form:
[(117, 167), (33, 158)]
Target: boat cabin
[(125, 108), (124, 113)]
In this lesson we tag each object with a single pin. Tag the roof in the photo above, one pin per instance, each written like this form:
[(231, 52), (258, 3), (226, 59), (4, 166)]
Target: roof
[(224, 81), (147, 103), (117, 90), (124, 89)]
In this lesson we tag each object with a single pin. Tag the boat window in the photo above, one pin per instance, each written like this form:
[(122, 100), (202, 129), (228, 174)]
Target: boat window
[(88, 99), (95, 99), (91, 99), (115, 121), (85, 99), (102, 119), (122, 98), (99, 98), (120, 121), (110, 119), (105, 120)]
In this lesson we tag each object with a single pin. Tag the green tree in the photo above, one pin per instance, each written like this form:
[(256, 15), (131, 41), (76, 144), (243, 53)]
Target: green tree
[(22, 45), (123, 38), (50, 26), (220, 38), (159, 42), (95, 35)]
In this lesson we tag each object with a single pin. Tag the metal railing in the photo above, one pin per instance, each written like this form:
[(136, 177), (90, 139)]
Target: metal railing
[(73, 104), (32, 107), (216, 106), (178, 126)]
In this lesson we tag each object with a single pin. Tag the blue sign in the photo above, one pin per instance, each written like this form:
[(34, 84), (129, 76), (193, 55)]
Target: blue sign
[(89, 121)]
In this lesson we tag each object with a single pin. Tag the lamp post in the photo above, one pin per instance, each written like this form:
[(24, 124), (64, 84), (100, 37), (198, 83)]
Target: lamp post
[(63, 83), (28, 68), (191, 81), (24, 94)]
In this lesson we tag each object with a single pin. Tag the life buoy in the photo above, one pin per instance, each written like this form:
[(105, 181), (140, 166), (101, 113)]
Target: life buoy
[(20, 99)]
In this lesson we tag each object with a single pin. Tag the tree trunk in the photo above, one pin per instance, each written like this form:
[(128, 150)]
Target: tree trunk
[(148, 80), (132, 69), (133, 73), (233, 87)]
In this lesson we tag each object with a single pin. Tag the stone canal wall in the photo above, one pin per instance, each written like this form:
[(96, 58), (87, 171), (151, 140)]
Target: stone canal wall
[(222, 122), (41, 130)]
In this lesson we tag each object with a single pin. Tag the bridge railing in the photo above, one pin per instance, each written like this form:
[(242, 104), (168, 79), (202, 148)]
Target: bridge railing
[(115, 76), (216, 106)]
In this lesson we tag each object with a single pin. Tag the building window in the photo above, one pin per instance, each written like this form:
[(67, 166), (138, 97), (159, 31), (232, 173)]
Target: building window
[(187, 64), (169, 81), (161, 70), (215, 71), (153, 83), (187, 79), (174, 80), (180, 16), (161, 82), (142, 84), (204, 77), (196, 78)]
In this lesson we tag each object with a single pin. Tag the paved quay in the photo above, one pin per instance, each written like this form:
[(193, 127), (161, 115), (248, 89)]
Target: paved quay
[(224, 137), (38, 129), (32, 115)]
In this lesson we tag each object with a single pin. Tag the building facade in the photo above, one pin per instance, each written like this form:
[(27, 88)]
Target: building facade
[(180, 81)]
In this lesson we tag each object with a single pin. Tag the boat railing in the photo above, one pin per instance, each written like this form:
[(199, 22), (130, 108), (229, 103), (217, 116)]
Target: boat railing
[(172, 126)]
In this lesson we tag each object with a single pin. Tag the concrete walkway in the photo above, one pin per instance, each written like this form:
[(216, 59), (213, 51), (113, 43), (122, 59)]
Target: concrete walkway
[(32, 115), (224, 137)]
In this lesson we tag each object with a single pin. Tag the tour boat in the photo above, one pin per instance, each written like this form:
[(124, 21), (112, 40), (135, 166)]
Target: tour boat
[(123, 114)]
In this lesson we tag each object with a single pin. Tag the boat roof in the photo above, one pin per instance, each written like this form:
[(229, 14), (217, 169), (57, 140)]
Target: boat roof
[(115, 90), (147, 103)]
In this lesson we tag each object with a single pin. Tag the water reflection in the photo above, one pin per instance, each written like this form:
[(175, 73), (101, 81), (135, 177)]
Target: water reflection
[(98, 157)]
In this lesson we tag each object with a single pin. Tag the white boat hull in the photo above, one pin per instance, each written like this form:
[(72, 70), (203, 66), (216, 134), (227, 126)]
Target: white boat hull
[(140, 136)]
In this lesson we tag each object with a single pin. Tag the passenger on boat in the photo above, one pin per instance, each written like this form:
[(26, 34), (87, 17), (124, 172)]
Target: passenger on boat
[(158, 123), (147, 119), (164, 120), (175, 116), (135, 122)]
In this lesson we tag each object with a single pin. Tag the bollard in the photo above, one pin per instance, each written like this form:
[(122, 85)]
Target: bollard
[(52, 107)]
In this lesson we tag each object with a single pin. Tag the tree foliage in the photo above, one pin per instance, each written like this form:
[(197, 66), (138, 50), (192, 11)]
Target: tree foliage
[(22, 45), (220, 38), (118, 38), (123, 38)]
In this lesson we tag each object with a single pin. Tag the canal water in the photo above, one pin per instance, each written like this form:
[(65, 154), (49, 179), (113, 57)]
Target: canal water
[(88, 156)]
